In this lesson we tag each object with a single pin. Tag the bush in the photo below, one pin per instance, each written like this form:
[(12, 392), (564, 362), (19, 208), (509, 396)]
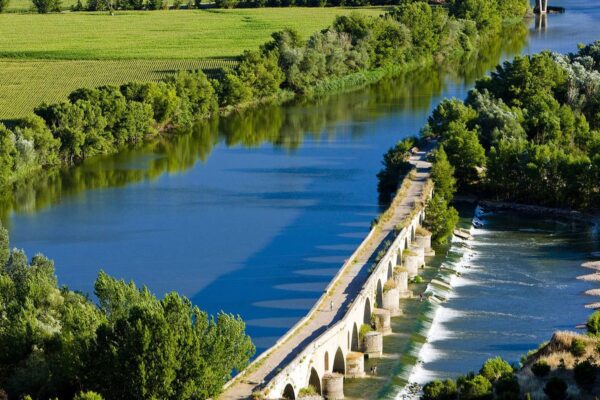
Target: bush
[(440, 218), (46, 6), (474, 387), (556, 389), (540, 369), (3, 5), (308, 391), (593, 323), (494, 368), (87, 396), (577, 347), (507, 386), (585, 374), (438, 390)]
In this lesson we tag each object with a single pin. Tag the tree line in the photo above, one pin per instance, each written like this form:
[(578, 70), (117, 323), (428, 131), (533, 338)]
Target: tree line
[(57, 343), (103, 120), (530, 132)]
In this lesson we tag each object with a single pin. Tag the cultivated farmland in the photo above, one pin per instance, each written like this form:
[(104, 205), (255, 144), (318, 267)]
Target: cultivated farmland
[(44, 57)]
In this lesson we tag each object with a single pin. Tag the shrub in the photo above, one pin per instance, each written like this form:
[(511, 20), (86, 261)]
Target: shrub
[(556, 389), (438, 390), (308, 391), (585, 374), (46, 6), (87, 396), (593, 323), (577, 347), (364, 329), (3, 5), (474, 387), (494, 368), (540, 369), (507, 386)]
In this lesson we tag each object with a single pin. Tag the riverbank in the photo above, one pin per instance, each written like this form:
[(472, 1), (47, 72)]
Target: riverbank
[(110, 119)]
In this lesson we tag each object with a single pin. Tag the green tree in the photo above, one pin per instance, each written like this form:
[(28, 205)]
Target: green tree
[(465, 153), (593, 323), (261, 72), (7, 153), (4, 246), (483, 12), (442, 174), (494, 368), (4, 5), (46, 6), (87, 396), (440, 219), (438, 390), (474, 387)]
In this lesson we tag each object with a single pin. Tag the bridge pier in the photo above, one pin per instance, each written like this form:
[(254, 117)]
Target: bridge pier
[(411, 263), (423, 239), (355, 365), (333, 386), (391, 298), (542, 6), (382, 321), (401, 278), (373, 344)]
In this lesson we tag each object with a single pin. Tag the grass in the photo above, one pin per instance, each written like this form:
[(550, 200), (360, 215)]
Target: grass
[(174, 34), (45, 57), (26, 84)]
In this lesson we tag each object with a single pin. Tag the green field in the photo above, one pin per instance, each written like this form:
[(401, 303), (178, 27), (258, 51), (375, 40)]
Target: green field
[(45, 57)]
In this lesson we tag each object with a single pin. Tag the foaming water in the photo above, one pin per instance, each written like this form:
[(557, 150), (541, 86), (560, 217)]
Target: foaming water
[(517, 285)]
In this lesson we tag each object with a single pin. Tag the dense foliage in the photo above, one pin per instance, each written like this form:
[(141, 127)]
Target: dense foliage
[(57, 343), (496, 379), (100, 121), (440, 217), (530, 132)]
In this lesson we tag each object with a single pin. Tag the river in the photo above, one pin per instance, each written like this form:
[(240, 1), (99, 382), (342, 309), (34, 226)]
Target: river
[(254, 213)]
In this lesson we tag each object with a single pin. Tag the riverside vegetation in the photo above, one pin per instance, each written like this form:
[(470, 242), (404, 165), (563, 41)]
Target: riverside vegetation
[(355, 50), (530, 133), (56, 343)]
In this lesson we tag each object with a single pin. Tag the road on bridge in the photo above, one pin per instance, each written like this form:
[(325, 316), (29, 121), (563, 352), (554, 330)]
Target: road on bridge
[(342, 294)]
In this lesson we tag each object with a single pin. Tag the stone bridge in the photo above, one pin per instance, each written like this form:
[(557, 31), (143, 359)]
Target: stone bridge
[(348, 322)]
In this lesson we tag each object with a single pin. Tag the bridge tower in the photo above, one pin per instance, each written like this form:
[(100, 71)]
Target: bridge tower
[(542, 6)]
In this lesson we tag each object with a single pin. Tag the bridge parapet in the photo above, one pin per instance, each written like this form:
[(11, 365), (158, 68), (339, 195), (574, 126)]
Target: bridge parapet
[(327, 355)]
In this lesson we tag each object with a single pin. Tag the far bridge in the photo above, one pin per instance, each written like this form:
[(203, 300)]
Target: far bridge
[(327, 346)]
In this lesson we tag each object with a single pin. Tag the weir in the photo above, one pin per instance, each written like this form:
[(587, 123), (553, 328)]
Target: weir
[(331, 342)]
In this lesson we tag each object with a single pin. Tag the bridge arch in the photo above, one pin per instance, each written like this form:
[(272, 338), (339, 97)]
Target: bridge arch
[(367, 312), (390, 272), (379, 294), (326, 361), (355, 342), (315, 381), (339, 362), (288, 392), (414, 233)]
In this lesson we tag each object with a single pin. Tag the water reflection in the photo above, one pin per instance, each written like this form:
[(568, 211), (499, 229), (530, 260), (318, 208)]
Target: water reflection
[(286, 127)]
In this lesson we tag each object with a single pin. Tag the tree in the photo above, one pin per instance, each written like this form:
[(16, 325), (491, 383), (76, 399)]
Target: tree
[(494, 368), (483, 12), (46, 6), (593, 323), (474, 387), (438, 390), (4, 5), (395, 164), (7, 153), (261, 72), (4, 246), (87, 396), (465, 153), (556, 389), (440, 219), (442, 174)]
